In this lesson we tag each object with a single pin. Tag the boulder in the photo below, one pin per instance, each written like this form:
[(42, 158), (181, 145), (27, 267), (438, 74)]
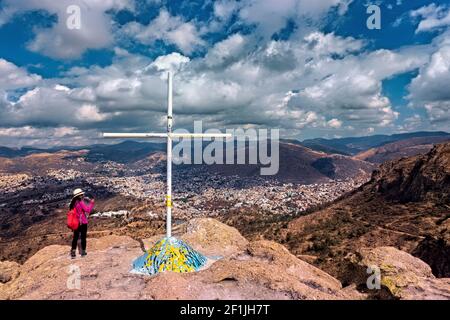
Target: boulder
[(213, 238), (264, 270), (209, 236), (402, 275), (103, 274), (9, 270)]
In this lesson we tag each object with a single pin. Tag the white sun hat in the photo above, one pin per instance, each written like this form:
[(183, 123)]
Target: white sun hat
[(77, 192)]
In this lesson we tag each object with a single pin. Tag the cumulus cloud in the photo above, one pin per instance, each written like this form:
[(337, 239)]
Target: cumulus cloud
[(270, 16), (349, 89), (59, 41), (311, 82), (45, 137), (224, 9), (412, 123), (227, 51), (173, 61), (13, 77), (331, 44), (48, 106), (168, 28), (321, 81), (432, 17), (429, 85), (429, 89), (334, 123)]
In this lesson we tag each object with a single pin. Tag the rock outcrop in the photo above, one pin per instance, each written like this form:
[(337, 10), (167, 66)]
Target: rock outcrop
[(255, 270), (9, 270), (265, 270), (405, 205), (419, 178), (402, 276)]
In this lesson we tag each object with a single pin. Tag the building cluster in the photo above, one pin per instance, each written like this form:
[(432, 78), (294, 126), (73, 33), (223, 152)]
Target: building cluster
[(195, 191), (10, 183)]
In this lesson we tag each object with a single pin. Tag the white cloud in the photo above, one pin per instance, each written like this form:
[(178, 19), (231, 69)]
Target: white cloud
[(334, 123), (13, 77), (32, 132), (439, 113), (224, 9), (61, 42), (168, 28), (270, 16), (432, 17), (318, 83), (412, 123), (89, 113), (48, 106), (429, 85), (430, 90), (45, 137), (226, 51), (173, 61), (330, 43)]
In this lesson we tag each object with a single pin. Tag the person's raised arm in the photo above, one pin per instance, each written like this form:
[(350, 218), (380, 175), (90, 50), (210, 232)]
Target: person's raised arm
[(87, 208)]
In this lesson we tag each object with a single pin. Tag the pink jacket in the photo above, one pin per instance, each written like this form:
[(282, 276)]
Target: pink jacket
[(83, 210)]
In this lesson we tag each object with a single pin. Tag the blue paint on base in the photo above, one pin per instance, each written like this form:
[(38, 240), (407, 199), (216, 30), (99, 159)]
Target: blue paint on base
[(169, 254)]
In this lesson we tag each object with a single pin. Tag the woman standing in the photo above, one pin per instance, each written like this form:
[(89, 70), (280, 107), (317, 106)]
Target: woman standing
[(82, 210)]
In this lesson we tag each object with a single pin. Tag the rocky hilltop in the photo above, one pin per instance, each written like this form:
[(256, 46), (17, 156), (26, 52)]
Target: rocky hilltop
[(237, 269), (421, 178), (405, 205)]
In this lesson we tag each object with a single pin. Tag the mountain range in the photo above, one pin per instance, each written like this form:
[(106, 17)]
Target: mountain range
[(129, 151), (310, 161), (355, 145)]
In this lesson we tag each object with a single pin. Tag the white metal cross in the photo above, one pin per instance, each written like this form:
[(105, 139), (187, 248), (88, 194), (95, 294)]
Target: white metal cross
[(169, 135)]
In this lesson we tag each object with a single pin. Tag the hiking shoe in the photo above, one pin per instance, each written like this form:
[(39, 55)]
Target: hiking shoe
[(83, 253), (73, 254)]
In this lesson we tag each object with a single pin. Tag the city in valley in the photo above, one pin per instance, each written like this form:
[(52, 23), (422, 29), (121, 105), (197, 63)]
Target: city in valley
[(206, 194), (130, 194)]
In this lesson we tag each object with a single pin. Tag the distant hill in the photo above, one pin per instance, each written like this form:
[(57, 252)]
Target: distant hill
[(6, 152), (299, 164), (124, 152), (401, 148), (355, 145), (131, 151)]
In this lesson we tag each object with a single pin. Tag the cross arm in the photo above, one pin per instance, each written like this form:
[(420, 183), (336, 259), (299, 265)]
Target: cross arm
[(200, 135), (135, 135), (165, 135)]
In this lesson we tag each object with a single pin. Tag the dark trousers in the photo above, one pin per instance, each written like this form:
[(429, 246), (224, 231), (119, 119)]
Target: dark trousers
[(82, 230)]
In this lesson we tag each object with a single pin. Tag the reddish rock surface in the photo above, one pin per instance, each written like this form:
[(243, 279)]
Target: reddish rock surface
[(248, 270), (406, 205), (402, 275), (256, 270)]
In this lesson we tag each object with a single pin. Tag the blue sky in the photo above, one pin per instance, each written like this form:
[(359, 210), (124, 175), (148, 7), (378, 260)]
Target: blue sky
[(309, 68)]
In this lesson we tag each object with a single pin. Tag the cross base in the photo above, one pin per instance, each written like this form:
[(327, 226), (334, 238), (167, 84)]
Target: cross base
[(169, 254)]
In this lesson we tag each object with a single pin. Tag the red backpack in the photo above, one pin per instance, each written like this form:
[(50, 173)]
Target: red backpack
[(72, 220)]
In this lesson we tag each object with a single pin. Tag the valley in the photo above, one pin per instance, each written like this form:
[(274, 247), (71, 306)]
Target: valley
[(324, 214)]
